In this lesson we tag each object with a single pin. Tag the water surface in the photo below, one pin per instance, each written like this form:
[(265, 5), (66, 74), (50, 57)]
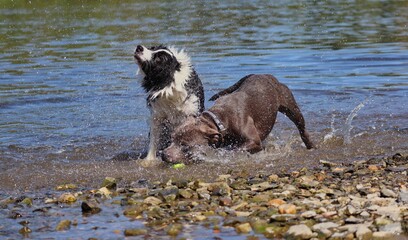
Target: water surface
[(70, 101)]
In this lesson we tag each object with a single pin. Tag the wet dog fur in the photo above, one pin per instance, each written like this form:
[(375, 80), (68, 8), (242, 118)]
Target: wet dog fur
[(242, 117), (174, 92)]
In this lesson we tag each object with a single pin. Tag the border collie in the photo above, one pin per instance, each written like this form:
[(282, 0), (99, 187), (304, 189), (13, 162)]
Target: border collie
[(174, 92)]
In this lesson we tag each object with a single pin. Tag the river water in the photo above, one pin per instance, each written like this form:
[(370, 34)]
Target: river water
[(70, 101)]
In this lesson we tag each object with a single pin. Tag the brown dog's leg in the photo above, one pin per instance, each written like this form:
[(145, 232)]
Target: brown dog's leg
[(290, 108), (251, 136)]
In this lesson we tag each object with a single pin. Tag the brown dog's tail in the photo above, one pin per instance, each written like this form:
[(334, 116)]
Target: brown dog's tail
[(230, 89)]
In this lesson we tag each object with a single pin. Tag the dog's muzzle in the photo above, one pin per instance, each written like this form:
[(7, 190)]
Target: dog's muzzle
[(139, 49)]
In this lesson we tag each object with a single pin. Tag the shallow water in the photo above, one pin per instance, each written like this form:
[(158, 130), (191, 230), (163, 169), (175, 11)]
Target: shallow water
[(69, 99)]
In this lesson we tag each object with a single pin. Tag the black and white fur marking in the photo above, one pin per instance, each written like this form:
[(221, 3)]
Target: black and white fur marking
[(174, 92)]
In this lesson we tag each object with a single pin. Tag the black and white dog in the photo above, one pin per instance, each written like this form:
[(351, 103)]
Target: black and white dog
[(174, 92)]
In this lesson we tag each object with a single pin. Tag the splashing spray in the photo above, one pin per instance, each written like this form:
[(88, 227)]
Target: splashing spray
[(347, 126)]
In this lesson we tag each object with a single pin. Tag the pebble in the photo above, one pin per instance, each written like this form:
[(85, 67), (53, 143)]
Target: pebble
[(308, 214), (276, 202), (67, 198), (174, 229), (383, 236), (324, 226), (403, 196), (135, 232), (90, 207), (364, 233), (243, 228), (104, 191), (110, 183), (63, 225), (354, 203), (152, 201), (300, 231), (388, 193), (394, 228), (287, 209)]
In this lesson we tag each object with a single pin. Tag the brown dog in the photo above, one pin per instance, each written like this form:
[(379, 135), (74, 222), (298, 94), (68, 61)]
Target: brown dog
[(243, 116)]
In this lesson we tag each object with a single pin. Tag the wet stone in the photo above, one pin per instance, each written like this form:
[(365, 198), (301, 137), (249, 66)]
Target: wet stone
[(220, 189), (67, 198), (169, 194), (90, 207), (27, 202), (174, 229), (103, 192), (133, 211), (139, 192), (186, 193), (25, 231), (63, 225), (110, 183), (135, 232), (225, 201), (68, 186), (243, 228)]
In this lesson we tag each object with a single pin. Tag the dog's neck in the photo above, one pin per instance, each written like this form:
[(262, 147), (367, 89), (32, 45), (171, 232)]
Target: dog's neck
[(215, 121)]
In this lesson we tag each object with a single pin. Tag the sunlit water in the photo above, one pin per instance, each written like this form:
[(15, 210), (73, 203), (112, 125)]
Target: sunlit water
[(70, 101)]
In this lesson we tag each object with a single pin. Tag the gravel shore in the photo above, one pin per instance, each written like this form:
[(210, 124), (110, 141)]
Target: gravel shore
[(366, 199)]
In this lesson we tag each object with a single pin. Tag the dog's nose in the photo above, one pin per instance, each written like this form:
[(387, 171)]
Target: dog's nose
[(139, 48)]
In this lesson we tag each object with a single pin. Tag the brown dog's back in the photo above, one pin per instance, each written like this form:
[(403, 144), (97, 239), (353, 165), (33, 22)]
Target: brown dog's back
[(267, 96)]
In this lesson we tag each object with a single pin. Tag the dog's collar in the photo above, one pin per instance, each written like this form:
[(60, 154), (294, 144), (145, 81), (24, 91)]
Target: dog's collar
[(217, 121)]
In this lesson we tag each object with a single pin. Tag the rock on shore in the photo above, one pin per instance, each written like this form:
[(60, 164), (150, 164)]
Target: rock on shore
[(363, 200)]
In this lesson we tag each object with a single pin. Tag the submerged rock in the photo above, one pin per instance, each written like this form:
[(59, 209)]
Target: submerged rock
[(67, 198), (174, 229), (63, 225), (243, 228), (25, 231), (90, 207), (135, 232), (68, 186)]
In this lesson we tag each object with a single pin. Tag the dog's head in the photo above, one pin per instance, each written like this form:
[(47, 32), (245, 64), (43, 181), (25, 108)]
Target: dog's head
[(155, 60), (190, 141), (158, 66)]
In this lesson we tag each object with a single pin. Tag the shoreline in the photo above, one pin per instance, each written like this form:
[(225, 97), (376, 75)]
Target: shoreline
[(365, 199)]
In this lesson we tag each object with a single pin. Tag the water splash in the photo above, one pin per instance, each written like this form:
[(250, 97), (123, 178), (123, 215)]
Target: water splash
[(332, 132), (347, 126)]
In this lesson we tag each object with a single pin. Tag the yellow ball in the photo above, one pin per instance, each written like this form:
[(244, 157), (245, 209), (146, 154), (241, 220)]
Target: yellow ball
[(178, 165)]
